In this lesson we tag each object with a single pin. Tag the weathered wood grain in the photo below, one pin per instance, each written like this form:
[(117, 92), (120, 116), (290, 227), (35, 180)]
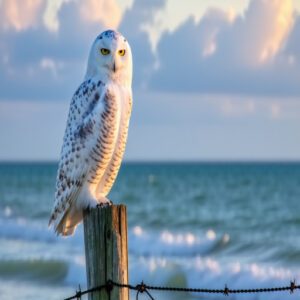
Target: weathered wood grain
[(105, 238)]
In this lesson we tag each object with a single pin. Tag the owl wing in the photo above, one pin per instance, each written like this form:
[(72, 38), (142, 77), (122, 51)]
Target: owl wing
[(88, 123)]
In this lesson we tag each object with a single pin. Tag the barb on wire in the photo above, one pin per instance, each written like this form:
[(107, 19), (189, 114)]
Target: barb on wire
[(78, 293), (293, 286), (226, 291), (144, 288), (141, 288)]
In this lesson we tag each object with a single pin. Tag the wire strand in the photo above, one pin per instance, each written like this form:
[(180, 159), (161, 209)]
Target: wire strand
[(144, 288)]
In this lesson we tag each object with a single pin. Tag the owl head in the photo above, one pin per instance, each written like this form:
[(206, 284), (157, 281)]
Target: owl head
[(110, 58)]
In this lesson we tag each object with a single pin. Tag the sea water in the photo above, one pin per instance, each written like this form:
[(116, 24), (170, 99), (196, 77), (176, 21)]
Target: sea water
[(199, 225)]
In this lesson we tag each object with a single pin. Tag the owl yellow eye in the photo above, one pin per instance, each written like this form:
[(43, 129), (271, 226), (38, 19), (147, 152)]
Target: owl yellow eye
[(121, 52), (104, 51)]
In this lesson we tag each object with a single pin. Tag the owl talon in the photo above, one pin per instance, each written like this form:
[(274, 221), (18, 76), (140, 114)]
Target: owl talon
[(104, 204)]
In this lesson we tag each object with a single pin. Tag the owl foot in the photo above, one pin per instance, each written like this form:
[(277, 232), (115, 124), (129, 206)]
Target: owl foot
[(104, 203)]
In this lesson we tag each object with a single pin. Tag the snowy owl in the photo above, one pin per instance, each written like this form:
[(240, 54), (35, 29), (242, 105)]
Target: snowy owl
[(96, 132)]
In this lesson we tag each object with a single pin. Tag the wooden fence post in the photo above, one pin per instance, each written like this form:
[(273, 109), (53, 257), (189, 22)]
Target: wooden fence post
[(106, 252)]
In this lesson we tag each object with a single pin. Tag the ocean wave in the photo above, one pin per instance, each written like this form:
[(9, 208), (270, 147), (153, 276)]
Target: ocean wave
[(167, 243), (141, 242), (196, 272), (210, 273), (22, 229), (189, 260), (26, 230), (164, 257), (47, 271)]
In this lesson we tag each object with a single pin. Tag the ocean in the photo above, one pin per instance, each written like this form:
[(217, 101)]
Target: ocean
[(189, 224)]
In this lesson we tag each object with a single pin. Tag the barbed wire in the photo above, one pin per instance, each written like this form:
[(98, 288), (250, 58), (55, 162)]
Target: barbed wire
[(144, 288)]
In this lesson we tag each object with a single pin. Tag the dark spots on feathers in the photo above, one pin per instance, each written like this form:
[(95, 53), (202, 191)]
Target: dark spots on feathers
[(91, 107), (85, 130), (111, 34), (68, 182), (61, 175)]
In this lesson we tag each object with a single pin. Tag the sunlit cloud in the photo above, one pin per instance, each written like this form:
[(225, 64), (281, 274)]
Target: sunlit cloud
[(268, 23), (232, 53), (107, 12), (50, 16), (19, 14), (212, 25), (23, 14), (221, 51)]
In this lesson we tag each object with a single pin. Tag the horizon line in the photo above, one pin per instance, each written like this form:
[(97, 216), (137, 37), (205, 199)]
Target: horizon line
[(163, 161)]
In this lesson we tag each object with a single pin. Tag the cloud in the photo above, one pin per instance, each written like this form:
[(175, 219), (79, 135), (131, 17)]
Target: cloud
[(276, 21), (51, 65), (292, 49), (225, 53), (260, 33), (133, 24), (44, 47), (50, 16), (47, 61), (106, 12), (19, 15)]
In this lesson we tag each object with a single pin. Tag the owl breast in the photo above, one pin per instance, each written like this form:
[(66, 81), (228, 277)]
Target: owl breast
[(113, 137)]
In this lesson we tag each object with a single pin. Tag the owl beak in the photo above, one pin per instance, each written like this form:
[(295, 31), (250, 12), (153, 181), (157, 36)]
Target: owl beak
[(114, 66)]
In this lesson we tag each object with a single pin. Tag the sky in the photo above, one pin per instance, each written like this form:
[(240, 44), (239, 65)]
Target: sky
[(213, 80)]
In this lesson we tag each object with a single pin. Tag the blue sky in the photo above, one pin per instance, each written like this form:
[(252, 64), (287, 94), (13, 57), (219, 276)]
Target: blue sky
[(213, 80)]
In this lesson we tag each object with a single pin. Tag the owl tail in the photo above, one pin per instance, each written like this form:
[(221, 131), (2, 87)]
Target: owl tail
[(66, 222)]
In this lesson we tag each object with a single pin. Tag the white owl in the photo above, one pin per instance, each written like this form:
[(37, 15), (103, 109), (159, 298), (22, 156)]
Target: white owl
[(96, 132)]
